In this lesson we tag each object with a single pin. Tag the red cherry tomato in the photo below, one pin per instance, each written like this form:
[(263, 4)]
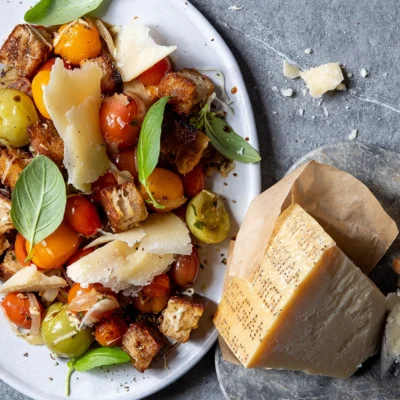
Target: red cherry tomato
[(126, 160), (82, 216), (20, 250), (185, 269), (121, 117), (80, 253), (158, 287), (181, 213), (109, 333), (107, 180), (193, 181), (16, 306), (154, 74)]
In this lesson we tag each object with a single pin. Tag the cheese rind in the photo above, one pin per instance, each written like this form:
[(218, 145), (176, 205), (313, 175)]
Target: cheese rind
[(307, 307)]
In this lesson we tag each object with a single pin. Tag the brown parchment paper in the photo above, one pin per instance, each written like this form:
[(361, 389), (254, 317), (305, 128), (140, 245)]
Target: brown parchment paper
[(343, 205)]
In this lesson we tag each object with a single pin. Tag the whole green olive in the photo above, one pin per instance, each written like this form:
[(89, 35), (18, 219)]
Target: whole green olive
[(17, 112), (207, 218), (60, 335)]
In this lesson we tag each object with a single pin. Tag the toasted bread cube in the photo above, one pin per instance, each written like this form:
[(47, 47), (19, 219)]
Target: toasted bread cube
[(181, 316), (44, 139), (6, 223), (12, 162), (142, 342), (23, 85), (10, 266), (26, 49), (111, 81), (188, 90), (124, 206), (182, 144)]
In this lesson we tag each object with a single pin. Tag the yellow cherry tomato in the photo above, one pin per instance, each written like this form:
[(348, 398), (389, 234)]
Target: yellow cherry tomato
[(78, 41), (56, 249), (39, 82)]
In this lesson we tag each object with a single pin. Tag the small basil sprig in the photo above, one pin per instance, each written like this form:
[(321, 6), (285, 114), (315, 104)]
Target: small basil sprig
[(95, 358), (223, 138), (38, 201), (56, 12), (148, 150)]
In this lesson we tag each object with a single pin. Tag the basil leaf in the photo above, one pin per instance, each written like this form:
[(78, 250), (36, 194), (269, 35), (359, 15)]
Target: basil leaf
[(57, 12), (228, 142), (148, 150), (100, 357), (38, 200)]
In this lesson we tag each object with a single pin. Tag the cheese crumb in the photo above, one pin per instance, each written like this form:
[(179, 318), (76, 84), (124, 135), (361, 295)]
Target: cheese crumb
[(326, 111), (275, 88), (287, 92), (235, 8), (301, 112), (349, 75), (290, 71), (308, 51), (353, 135), (364, 73), (341, 87)]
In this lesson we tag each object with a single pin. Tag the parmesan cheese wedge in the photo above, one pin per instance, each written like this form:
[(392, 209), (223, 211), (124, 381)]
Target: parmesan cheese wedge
[(130, 237), (29, 279), (73, 99), (136, 51), (307, 307)]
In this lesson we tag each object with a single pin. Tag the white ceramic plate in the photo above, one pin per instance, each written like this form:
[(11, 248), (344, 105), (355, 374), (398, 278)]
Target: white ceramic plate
[(200, 46)]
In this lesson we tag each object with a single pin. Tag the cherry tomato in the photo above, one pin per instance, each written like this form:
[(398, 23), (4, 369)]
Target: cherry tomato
[(16, 306), (166, 187), (78, 41), (109, 333), (150, 305), (154, 74), (80, 253), (77, 290), (121, 117), (56, 249), (181, 213), (48, 65), (126, 160), (193, 181), (158, 287), (185, 270), (107, 180), (20, 250), (82, 216)]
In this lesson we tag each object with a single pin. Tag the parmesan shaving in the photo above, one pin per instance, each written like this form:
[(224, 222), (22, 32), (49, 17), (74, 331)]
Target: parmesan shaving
[(106, 35)]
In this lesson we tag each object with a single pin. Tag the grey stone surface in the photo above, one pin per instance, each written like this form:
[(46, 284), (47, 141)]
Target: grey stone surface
[(359, 34), (378, 169)]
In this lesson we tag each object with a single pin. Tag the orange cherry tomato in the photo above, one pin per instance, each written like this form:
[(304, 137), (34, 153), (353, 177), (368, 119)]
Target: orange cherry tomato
[(107, 180), (20, 250), (56, 249), (158, 287), (185, 270), (77, 290), (78, 41), (109, 333), (16, 306), (121, 117), (82, 216), (166, 188), (193, 181), (153, 76), (80, 253), (126, 160)]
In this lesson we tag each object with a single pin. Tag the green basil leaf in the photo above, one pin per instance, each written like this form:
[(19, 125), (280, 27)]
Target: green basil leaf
[(100, 357), (38, 200), (228, 142), (148, 150), (57, 12)]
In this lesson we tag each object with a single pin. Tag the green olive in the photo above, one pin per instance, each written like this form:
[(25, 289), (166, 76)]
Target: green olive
[(207, 218), (56, 324), (17, 112)]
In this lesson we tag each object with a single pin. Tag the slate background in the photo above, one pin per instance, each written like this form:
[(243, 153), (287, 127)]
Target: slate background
[(358, 34)]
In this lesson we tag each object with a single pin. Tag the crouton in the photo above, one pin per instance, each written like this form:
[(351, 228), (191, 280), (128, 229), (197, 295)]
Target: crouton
[(44, 139), (188, 90), (26, 49), (111, 81), (6, 223), (124, 206), (12, 162), (10, 266), (142, 342), (181, 316), (23, 85), (182, 144)]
